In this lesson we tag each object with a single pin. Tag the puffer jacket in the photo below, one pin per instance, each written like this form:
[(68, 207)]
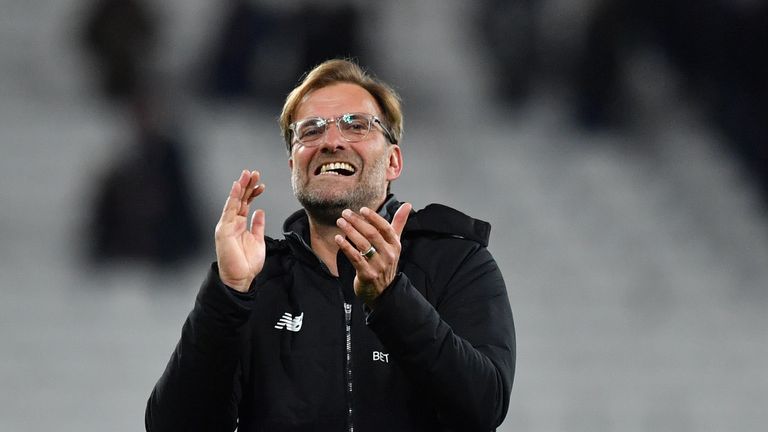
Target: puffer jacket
[(299, 352)]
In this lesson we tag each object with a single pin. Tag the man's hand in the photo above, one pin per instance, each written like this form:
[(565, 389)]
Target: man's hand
[(240, 250), (377, 269)]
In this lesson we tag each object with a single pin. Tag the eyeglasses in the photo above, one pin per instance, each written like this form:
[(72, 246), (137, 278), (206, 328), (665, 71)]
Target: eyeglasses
[(352, 126)]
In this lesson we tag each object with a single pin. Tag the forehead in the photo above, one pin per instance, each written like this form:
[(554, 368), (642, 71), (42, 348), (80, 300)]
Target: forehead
[(336, 99)]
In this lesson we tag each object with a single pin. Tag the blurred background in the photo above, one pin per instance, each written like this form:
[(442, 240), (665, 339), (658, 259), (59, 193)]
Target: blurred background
[(618, 148)]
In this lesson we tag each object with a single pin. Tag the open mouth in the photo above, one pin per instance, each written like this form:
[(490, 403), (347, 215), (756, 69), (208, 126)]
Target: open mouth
[(336, 168)]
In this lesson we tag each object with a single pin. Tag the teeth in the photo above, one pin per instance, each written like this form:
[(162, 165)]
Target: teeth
[(336, 166)]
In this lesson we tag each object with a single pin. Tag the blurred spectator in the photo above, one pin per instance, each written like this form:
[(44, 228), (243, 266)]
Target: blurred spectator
[(329, 30), (144, 209), (120, 36), (739, 77), (508, 33), (715, 45), (262, 46), (246, 26)]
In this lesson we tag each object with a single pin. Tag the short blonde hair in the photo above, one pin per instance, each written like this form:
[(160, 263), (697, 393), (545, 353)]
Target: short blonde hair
[(346, 71)]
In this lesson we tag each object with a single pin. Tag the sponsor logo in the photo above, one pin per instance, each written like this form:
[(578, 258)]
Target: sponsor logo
[(289, 322)]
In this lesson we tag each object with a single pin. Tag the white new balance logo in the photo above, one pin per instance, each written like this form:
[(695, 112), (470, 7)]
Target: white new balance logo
[(288, 322)]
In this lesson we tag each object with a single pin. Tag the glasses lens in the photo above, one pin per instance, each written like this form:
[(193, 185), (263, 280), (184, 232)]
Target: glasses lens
[(354, 127), (310, 129)]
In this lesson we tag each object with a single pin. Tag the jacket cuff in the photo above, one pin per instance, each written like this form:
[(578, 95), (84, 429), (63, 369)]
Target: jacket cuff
[(224, 302), (401, 313)]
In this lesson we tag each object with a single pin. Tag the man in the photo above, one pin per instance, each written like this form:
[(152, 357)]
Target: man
[(366, 317)]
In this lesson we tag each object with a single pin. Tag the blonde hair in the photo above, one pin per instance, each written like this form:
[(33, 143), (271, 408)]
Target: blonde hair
[(337, 71)]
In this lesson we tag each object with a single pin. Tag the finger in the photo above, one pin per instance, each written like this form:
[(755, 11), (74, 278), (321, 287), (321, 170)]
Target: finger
[(236, 194), (401, 217), (258, 222), (361, 243), (374, 219), (353, 255), (244, 178), (249, 180), (232, 205), (389, 232), (258, 190), (365, 228), (253, 182)]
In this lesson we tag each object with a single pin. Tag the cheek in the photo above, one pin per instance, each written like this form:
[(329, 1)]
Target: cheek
[(300, 158)]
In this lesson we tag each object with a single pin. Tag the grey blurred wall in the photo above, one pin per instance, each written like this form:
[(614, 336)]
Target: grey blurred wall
[(635, 259)]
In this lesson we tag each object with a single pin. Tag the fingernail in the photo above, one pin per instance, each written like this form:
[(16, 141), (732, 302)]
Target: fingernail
[(341, 222), (364, 211), (346, 213)]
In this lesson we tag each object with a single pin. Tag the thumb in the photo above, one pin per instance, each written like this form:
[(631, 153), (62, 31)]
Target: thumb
[(401, 217), (258, 223)]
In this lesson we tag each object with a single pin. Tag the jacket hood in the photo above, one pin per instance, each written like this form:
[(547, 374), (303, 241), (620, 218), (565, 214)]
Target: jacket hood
[(444, 220), (433, 219)]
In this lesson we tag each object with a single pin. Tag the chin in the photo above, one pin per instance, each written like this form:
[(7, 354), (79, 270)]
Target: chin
[(325, 206), (324, 212)]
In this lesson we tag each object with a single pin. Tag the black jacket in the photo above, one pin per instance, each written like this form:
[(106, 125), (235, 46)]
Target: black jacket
[(299, 352)]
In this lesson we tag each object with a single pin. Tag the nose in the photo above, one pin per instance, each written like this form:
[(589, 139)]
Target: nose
[(332, 140)]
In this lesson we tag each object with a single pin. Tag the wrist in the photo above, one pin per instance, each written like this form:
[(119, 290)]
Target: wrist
[(370, 298), (239, 285)]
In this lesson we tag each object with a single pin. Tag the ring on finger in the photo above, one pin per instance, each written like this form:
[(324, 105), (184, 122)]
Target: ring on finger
[(369, 253)]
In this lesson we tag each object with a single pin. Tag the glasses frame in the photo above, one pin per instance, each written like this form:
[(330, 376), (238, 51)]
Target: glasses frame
[(372, 119)]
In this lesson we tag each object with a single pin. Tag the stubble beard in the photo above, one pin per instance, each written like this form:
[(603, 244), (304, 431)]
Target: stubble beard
[(324, 206)]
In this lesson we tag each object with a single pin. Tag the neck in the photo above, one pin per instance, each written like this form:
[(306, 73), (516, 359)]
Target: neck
[(322, 240), (321, 236)]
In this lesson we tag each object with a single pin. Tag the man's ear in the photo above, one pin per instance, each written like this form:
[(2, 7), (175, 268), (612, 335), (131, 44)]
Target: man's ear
[(395, 166)]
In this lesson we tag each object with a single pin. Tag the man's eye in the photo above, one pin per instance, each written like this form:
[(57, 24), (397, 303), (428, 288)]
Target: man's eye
[(310, 132), (356, 126)]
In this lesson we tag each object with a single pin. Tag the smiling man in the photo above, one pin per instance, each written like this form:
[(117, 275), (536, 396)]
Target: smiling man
[(367, 316)]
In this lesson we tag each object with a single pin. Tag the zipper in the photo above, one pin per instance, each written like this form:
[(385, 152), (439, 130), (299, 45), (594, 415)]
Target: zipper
[(347, 328), (348, 363), (347, 331)]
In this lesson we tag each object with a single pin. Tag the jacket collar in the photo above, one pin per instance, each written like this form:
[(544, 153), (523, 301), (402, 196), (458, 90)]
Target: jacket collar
[(296, 229), (298, 222), (433, 219)]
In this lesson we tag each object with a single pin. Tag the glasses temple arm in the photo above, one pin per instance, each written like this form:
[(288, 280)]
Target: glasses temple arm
[(386, 131)]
